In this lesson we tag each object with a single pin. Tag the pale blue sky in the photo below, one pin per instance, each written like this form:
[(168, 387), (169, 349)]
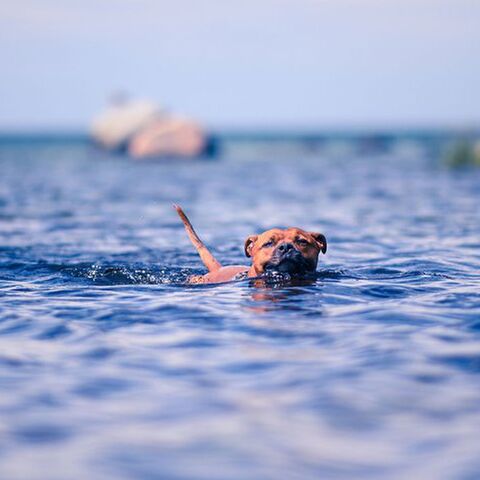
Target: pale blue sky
[(265, 63)]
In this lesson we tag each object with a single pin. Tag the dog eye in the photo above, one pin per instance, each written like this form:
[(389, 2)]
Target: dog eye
[(270, 243), (301, 241)]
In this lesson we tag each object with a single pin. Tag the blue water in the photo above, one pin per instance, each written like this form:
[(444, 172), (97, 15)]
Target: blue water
[(111, 367)]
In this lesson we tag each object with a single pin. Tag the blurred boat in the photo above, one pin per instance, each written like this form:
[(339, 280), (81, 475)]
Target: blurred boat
[(114, 127), (144, 130), (168, 136)]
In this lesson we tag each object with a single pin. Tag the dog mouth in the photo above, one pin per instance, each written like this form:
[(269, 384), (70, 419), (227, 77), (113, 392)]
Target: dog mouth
[(292, 262)]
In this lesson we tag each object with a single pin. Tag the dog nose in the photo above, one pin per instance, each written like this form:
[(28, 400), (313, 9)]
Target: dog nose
[(285, 247)]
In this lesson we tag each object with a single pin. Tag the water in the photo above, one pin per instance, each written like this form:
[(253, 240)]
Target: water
[(111, 367)]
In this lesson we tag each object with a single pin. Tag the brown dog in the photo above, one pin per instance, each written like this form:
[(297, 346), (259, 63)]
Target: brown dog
[(293, 251)]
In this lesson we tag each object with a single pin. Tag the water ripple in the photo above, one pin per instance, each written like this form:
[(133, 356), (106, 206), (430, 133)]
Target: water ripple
[(112, 367)]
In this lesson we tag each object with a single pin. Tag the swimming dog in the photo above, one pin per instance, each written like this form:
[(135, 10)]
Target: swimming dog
[(293, 251)]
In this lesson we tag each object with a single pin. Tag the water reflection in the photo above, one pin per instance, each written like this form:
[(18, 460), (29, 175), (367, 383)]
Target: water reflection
[(281, 292)]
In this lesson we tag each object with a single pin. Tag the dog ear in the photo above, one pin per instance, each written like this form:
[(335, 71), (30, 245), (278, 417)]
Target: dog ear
[(249, 244), (321, 240)]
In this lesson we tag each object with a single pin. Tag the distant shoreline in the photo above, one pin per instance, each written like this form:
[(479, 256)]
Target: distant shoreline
[(273, 135)]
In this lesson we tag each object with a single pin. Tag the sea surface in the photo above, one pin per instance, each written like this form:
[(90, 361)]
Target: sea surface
[(111, 367)]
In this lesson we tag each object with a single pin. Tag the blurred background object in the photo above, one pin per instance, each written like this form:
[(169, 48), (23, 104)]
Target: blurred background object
[(464, 152), (169, 137), (144, 130), (114, 128)]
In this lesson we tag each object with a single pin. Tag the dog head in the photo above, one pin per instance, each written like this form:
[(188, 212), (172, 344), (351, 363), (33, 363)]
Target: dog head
[(292, 251)]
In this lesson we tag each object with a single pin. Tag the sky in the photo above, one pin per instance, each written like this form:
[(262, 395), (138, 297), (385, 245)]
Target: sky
[(249, 64)]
